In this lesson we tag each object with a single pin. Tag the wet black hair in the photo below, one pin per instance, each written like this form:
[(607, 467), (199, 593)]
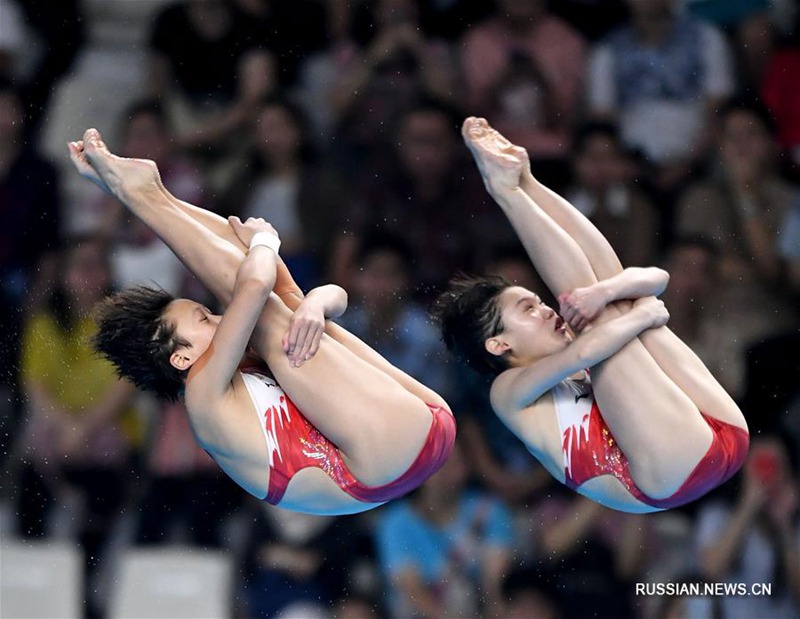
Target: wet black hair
[(134, 335), (468, 314)]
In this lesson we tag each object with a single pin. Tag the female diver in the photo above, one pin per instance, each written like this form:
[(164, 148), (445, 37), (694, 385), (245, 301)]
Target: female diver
[(651, 429), (318, 422)]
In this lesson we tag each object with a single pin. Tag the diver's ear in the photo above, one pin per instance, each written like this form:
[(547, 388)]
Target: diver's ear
[(497, 346), (180, 360)]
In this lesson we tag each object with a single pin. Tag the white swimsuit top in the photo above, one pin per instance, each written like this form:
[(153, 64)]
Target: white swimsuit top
[(269, 401), (573, 400)]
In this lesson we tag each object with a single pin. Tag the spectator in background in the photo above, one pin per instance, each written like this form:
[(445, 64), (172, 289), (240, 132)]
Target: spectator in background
[(139, 256), (528, 596), (449, 19), (589, 554), (789, 246), (286, 560), (780, 90), (183, 486), (757, 538), (12, 31), (767, 66), (698, 317), (59, 28), (592, 18), (523, 68), (375, 84), (210, 67), (726, 14), (29, 232), (740, 209), (604, 190), (661, 76), (355, 607), (80, 428), (755, 40), (382, 314), (422, 179), (296, 564), (290, 188), (445, 550), (772, 390), (289, 30)]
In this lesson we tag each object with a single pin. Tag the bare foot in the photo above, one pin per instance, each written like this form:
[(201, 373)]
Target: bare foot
[(500, 162), (78, 157), (123, 178)]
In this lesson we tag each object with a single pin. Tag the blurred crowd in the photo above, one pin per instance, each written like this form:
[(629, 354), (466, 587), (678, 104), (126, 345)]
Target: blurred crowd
[(674, 125)]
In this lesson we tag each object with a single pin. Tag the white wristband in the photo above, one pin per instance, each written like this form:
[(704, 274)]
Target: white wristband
[(266, 239)]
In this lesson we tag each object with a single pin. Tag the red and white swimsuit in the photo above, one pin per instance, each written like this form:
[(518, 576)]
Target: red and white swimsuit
[(295, 444), (590, 449)]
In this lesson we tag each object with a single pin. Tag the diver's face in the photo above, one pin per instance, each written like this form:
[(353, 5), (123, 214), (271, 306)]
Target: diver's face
[(531, 329), (194, 324)]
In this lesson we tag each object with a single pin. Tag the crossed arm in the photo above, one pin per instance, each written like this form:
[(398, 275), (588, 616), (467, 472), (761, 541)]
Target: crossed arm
[(581, 306), (517, 388)]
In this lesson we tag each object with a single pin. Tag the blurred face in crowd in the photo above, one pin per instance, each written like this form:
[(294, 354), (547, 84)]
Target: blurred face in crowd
[(278, 136), (691, 272), (353, 608), (532, 604), (210, 18), (745, 143), (397, 12), (426, 145), (86, 272), (146, 138), (755, 35), (10, 117), (383, 279), (599, 164), (449, 480), (651, 8), (518, 12)]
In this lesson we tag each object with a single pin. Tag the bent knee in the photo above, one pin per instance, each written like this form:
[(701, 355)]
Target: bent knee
[(384, 447), (660, 471)]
